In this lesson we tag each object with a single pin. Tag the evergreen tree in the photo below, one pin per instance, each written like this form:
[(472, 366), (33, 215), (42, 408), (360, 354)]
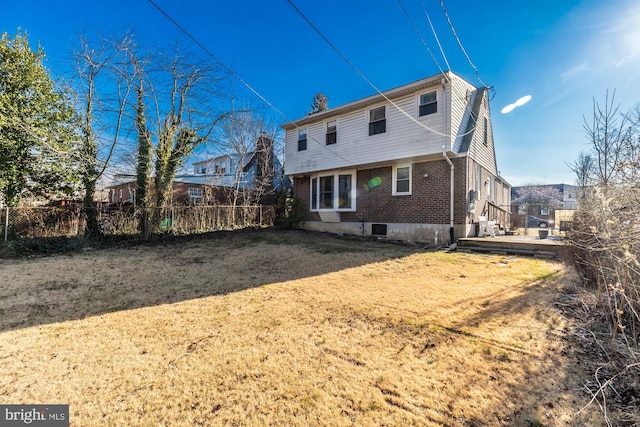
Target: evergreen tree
[(320, 103), (38, 126)]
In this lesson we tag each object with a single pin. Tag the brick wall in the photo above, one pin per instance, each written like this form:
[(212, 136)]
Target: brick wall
[(429, 202)]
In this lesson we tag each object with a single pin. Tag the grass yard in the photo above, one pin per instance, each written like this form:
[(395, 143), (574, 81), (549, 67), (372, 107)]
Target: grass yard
[(290, 328)]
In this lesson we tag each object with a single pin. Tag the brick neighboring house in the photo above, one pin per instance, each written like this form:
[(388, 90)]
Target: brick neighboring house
[(217, 180), (416, 163)]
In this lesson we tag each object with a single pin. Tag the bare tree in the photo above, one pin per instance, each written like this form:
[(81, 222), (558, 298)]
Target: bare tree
[(608, 131), (249, 139), (583, 167), (103, 93), (176, 111), (605, 233)]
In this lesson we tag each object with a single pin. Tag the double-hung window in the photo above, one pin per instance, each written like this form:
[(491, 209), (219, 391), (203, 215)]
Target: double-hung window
[(333, 191), (332, 135), (402, 180), (302, 139), (344, 191), (326, 192), (428, 103), (377, 120), (195, 192), (314, 194)]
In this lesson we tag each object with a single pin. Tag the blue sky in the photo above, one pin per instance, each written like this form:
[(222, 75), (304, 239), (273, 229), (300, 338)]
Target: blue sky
[(562, 53)]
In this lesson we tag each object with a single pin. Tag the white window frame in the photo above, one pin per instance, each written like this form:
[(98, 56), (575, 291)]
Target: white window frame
[(370, 122), (394, 191), (544, 211), (420, 104), (336, 191), (334, 132), (196, 192), (305, 139)]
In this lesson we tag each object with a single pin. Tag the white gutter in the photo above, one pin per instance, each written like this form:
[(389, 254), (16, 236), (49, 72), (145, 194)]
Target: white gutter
[(444, 154)]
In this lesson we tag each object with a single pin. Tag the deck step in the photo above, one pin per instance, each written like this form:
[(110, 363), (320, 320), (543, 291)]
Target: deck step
[(511, 245)]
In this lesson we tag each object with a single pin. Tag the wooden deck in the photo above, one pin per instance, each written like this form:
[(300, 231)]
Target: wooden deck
[(550, 247)]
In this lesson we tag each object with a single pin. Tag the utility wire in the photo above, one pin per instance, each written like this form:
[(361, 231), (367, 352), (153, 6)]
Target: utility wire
[(424, 43), (261, 97), (435, 35), (244, 83), (208, 52), (354, 68), (455, 35)]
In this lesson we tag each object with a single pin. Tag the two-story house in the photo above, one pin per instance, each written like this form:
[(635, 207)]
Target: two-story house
[(414, 163), (255, 174)]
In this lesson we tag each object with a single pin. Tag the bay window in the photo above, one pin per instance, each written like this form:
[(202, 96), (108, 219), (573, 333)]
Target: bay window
[(333, 191)]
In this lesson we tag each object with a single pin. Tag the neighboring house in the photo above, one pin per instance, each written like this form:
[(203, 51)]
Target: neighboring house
[(219, 180), (554, 203), (415, 163)]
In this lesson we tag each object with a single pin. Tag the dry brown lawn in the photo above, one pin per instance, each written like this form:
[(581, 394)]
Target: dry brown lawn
[(290, 328)]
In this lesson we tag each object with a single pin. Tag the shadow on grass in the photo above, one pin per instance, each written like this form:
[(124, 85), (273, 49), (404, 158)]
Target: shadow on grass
[(130, 275)]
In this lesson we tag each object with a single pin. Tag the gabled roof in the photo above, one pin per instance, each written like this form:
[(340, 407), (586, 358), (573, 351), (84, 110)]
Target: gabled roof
[(370, 100)]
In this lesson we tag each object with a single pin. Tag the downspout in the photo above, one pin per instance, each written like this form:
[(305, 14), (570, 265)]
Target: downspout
[(444, 154), (451, 233)]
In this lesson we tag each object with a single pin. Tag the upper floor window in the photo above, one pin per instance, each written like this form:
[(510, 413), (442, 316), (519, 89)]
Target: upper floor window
[(378, 120), (302, 139), (201, 169), (428, 103), (331, 132), (401, 180)]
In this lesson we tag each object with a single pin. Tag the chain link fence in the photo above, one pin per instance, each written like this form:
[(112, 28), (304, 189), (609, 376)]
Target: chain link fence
[(41, 222)]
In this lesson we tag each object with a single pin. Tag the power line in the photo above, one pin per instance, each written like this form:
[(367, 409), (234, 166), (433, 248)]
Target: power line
[(354, 68), (435, 35), (234, 74), (208, 52), (455, 35), (261, 97), (424, 43)]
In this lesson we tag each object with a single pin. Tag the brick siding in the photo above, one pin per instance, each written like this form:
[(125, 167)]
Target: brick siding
[(429, 202)]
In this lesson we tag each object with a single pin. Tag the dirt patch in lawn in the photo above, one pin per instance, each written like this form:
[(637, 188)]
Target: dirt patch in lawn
[(290, 328)]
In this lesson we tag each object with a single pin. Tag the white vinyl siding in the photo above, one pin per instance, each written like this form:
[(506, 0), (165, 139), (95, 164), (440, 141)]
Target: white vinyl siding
[(404, 138), (459, 107)]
